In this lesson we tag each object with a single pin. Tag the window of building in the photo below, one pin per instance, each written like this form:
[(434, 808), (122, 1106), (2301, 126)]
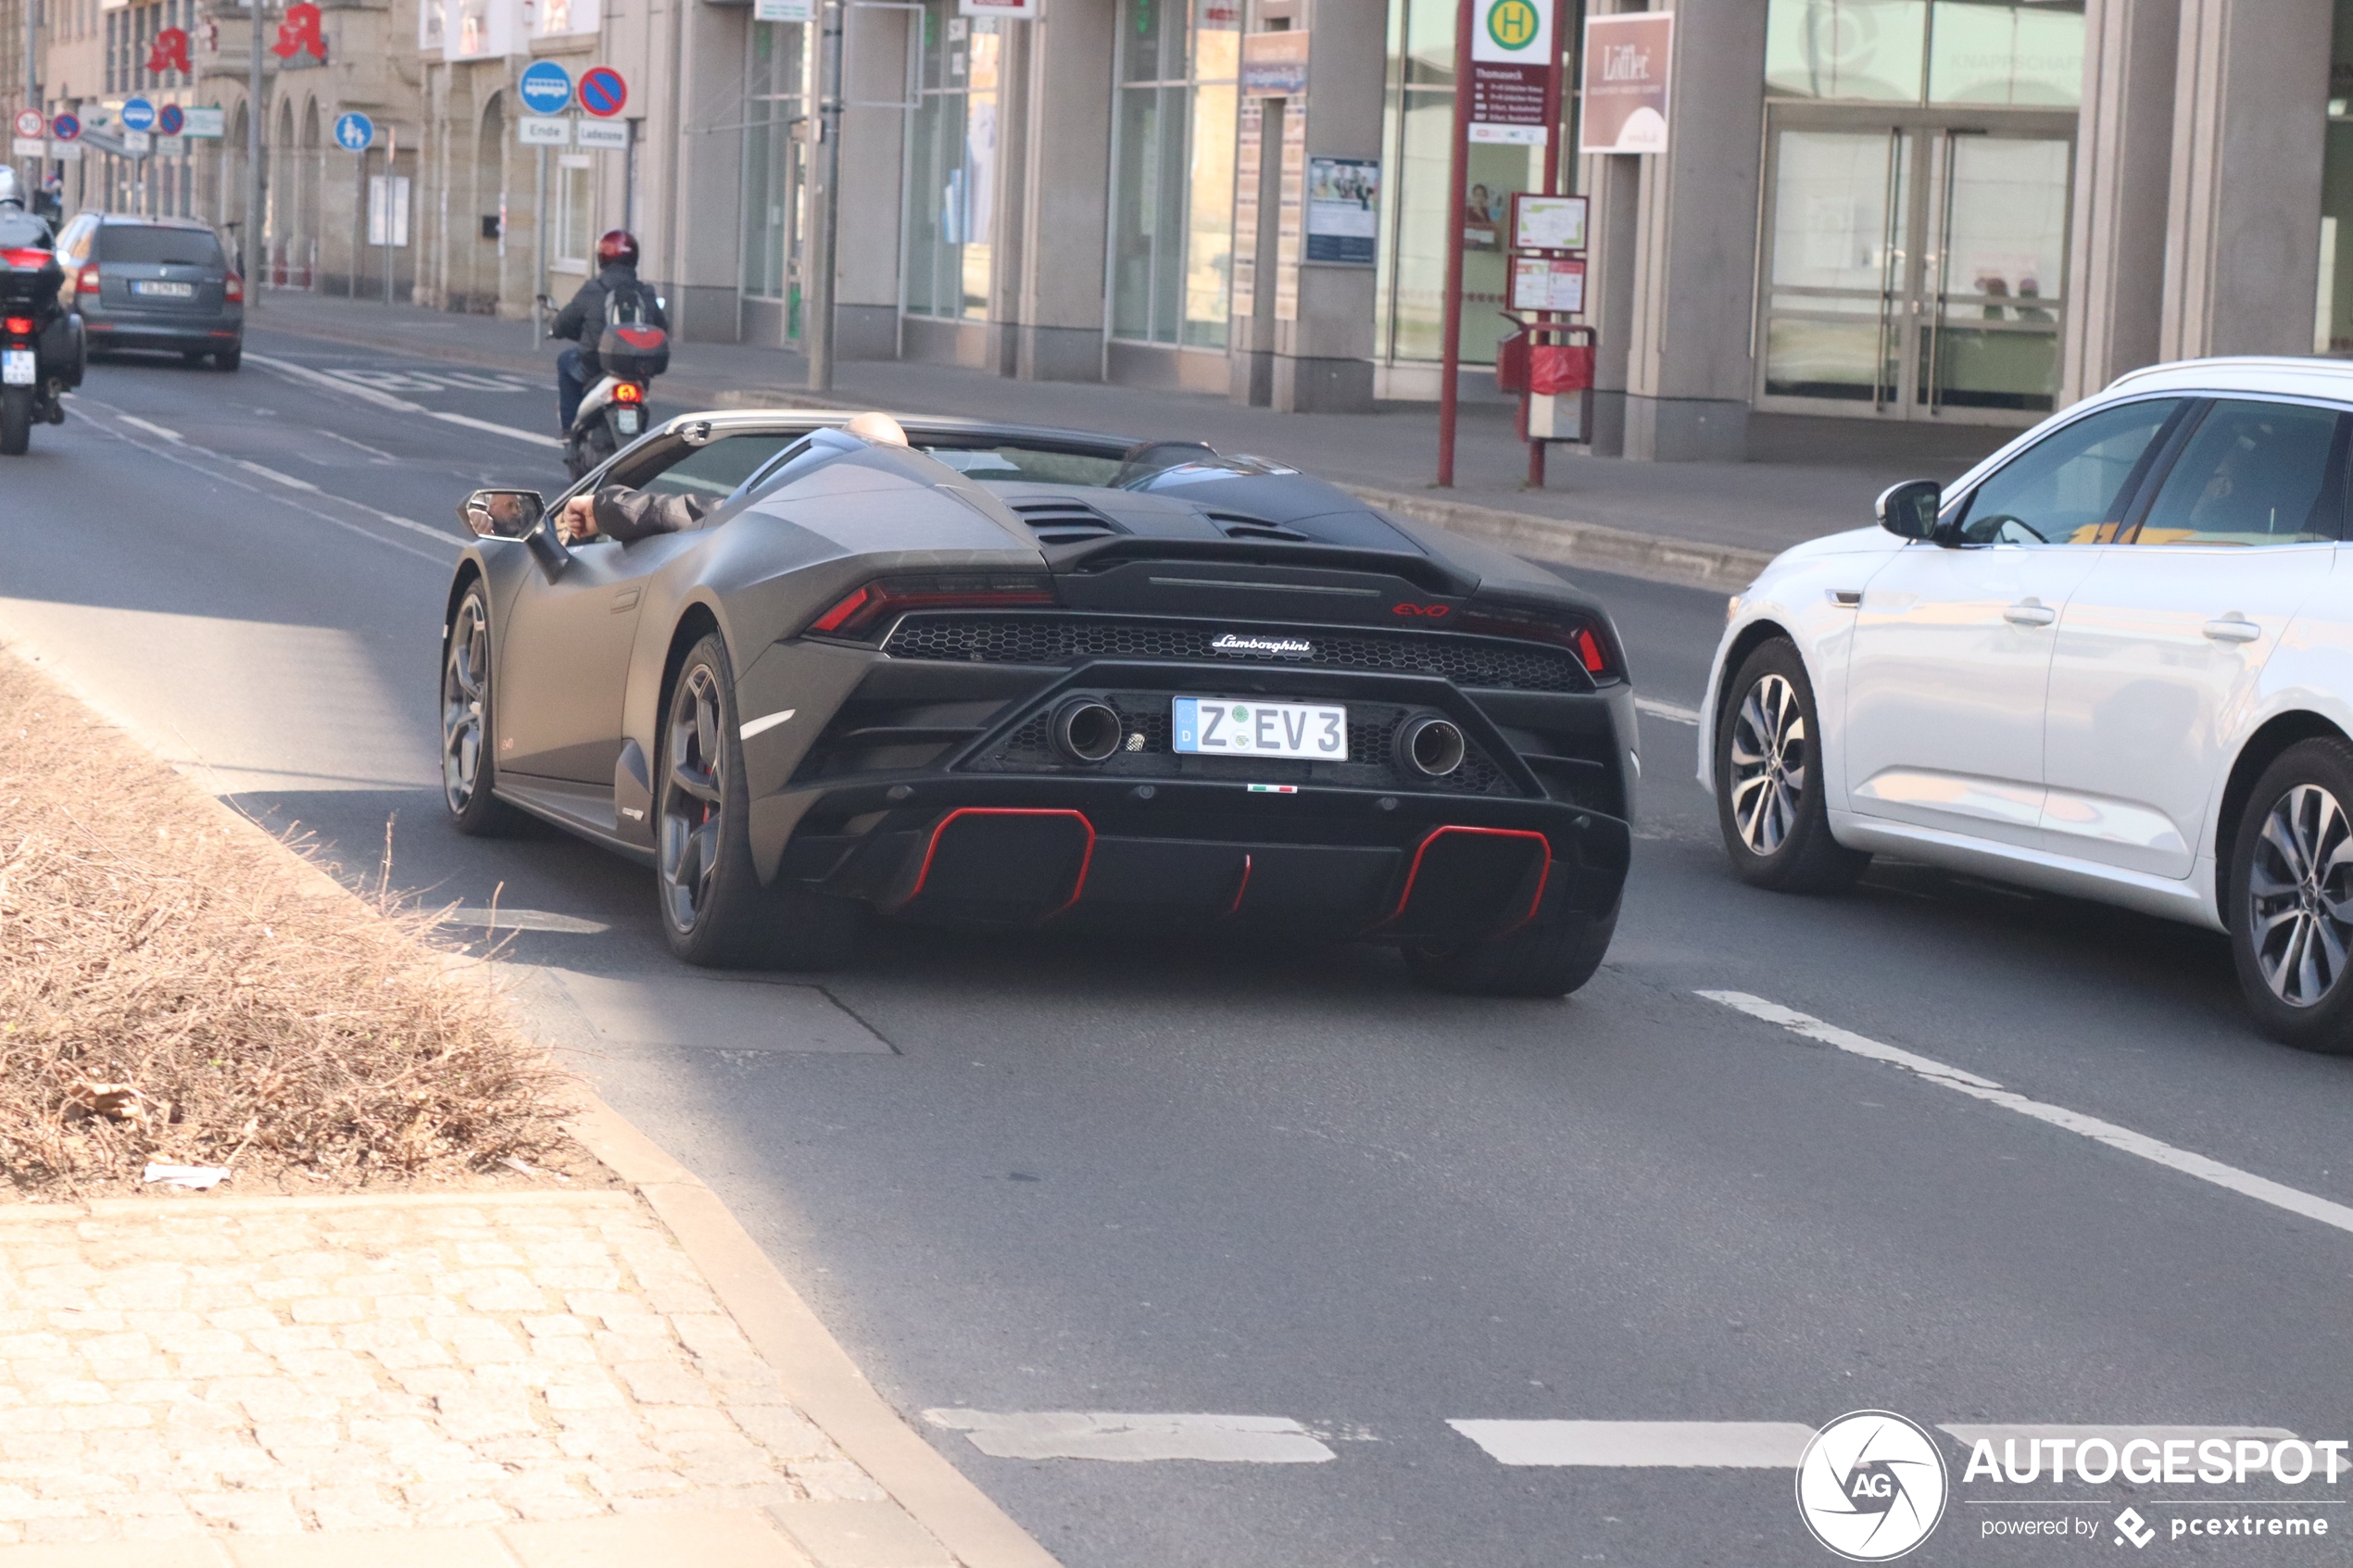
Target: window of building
[(1173, 175), (575, 216), (1417, 128), (2020, 53), (951, 186), (772, 167)]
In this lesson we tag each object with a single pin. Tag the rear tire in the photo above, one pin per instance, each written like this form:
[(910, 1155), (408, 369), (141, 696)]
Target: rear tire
[(469, 775), (1769, 784), (1535, 960), (16, 421), (2290, 898), (228, 359), (714, 912)]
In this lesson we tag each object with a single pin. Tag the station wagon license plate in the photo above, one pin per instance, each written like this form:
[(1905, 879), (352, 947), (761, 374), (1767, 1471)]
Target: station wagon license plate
[(1219, 726), (16, 368), (158, 288)]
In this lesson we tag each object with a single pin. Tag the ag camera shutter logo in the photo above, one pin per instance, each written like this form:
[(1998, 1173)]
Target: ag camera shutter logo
[(1871, 1485)]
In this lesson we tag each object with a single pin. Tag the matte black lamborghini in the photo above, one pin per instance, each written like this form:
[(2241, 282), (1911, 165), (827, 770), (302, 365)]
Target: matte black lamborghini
[(1011, 676)]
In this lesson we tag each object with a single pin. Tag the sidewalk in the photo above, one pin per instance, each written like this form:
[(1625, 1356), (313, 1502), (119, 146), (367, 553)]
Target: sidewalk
[(1807, 476)]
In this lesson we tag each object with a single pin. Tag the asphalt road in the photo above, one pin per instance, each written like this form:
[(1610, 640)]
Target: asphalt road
[(1036, 1174)]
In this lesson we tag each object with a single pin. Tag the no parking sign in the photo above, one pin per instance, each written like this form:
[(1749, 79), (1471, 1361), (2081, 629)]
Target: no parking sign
[(602, 93)]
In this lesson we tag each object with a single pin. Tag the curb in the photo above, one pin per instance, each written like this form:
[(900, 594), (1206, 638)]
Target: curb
[(1689, 563), (819, 1376)]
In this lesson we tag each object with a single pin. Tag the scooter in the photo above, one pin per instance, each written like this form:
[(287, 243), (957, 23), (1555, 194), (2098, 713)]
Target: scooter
[(42, 344), (631, 352)]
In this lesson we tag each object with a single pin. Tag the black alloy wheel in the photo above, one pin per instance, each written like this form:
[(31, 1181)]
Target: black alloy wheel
[(469, 775), (2289, 896), (1769, 786), (714, 912)]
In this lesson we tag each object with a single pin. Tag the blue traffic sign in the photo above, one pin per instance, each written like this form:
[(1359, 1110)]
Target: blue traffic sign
[(546, 87), (138, 114), (602, 92), (66, 127), (354, 132), (171, 122)]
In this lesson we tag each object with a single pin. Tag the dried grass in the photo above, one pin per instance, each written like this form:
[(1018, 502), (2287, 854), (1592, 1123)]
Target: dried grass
[(175, 987)]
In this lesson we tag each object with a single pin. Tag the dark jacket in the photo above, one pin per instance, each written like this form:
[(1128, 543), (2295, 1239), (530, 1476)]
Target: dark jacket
[(625, 514), (584, 319)]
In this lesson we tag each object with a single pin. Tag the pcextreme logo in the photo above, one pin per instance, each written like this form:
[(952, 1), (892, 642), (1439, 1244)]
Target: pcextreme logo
[(1871, 1485)]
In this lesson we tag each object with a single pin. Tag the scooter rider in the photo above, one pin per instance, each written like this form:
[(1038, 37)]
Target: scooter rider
[(583, 320)]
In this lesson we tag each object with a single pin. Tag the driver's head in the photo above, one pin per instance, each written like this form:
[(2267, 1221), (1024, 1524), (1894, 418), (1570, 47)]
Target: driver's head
[(880, 429)]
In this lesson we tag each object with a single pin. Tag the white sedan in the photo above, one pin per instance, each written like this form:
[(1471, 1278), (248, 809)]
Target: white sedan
[(2115, 660)]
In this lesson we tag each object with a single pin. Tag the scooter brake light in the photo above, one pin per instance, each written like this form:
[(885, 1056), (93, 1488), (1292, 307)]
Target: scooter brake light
[(27, 256), (629, 391), (20, 326)]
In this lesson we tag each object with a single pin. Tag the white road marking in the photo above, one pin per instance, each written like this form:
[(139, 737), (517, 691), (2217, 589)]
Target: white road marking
[(470, 423), (1108, 1434), (523, 920), (1728, 1445), (289, 480), (2246, 1183), (1673, 712), (379, 455), (762, 726), (152, 429)]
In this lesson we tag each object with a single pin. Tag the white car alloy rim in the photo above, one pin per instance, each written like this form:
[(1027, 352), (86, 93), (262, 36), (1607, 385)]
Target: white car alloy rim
[(1769, 764), (2299, 895)]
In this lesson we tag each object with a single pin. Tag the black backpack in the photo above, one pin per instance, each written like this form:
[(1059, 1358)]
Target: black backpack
[(631, 345)]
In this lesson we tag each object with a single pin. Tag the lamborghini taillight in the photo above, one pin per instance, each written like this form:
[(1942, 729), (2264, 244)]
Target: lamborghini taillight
[(1562, 629), (862, 611)]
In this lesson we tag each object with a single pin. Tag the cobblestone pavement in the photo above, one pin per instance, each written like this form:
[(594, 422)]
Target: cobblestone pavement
[(286, 1365)]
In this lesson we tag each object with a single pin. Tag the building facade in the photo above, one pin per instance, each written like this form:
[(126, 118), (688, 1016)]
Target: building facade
[(1962, 211)]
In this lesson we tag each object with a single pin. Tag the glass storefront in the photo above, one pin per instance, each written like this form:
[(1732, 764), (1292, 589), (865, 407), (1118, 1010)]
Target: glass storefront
[(1172, 177), (1416, 124), (1919, 177), (952, 175), (772, 165)]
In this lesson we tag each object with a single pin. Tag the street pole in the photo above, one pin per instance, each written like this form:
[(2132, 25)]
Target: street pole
[(392, 189), (1457, 183), (817, 332), (253, 162), (539, 247), (31, 96)]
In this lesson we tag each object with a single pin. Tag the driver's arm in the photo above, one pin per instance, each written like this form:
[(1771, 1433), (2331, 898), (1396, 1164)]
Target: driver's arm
[(618, 512)]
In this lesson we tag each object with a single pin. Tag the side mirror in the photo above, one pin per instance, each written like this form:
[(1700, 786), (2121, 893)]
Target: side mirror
[(1909, 511), (503, 514)]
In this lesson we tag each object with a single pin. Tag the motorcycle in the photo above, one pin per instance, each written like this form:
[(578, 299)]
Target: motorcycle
[(630, 353), (43, 350)]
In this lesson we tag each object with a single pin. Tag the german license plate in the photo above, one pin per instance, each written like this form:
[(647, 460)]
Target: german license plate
[(157, 288), (628, 421), (1220, 726), (16, 368)]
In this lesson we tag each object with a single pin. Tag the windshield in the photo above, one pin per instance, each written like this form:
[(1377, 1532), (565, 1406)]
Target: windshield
[(159, 247), (1035, 465)]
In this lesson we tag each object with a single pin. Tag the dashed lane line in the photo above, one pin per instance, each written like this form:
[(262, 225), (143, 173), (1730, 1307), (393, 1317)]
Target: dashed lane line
[(1673, 712), (1712, 1445), (152, 428), (1135, 1439), (2188, 1162), (288, 368)]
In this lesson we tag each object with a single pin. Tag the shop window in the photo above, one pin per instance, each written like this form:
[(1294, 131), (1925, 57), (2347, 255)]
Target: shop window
[(1417, 126), (951, 188), (1172, 178), (2018, 53), (773, 164)]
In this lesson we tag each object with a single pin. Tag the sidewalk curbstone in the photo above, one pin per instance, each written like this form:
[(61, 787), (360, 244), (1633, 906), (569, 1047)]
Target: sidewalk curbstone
[(1690, 563)]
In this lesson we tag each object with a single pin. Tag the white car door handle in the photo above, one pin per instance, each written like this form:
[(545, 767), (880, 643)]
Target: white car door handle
[(2030, 614), (2233, 631)]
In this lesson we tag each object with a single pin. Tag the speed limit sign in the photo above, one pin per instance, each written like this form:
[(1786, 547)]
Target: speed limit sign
[(29, 122)]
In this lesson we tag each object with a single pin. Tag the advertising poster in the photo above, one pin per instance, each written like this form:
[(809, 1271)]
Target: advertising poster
[(1627, 58), (1275, 63), (1344, 210)]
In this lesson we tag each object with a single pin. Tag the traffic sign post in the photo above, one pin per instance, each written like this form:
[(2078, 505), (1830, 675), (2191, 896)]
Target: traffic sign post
[(29, 122), (65, 128), (602, 92), (169, 121), (138, 114), (355, 132)]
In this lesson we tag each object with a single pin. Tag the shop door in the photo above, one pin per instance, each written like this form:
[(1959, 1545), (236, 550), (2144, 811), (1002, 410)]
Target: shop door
[(1914, 264)]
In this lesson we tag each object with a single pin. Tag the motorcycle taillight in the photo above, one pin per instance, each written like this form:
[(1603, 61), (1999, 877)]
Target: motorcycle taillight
[(18, 326), (26, 257), (629, 391)]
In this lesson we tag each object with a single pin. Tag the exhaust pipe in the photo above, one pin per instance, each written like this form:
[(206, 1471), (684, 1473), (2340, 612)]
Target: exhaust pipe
[(1430, 746), (1088, 731)]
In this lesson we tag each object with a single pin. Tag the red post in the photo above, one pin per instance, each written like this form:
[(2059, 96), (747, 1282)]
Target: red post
[(1555, 90), (1458, 192)]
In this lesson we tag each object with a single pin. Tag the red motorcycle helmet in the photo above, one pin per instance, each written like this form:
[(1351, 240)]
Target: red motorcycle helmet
[(618, 245)]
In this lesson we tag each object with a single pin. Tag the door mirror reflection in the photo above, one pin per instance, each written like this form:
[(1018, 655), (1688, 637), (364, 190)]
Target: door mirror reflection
[(1909, 511), (503, 514)]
